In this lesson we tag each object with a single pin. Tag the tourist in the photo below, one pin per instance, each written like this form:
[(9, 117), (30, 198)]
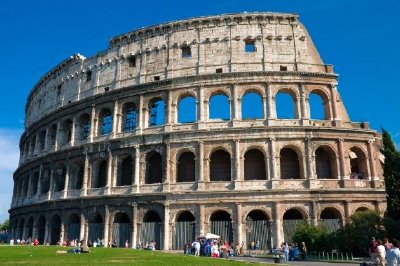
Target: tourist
[(35, 242), (387, 244), (214, 248), (258, 245), (242, 248), (303, 250), (381, 253), (372, 251), (286, 251), (393, 255), (126, 244), (83, 247), (252, 245), (196, 248), (237, 249)]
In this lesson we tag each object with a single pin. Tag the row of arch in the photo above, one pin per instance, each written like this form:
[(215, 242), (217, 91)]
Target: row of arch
[(220, 169), (257, 226), (101, 123)]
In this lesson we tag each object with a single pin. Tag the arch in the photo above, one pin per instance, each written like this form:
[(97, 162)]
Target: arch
[(331, 218), (105, 122), (76, 176), (53, 135), (221, 224), (45, 181), (126, 171), (291, 218), (121, 231), (29, 228), (151, 228), (41, 229), (34, 183), (95, 227), (25, 187), (186, 167), (252, 106), (184, 229), (73, 227), (59, 179), (130, 117), (318, 105), (289, 163), (55, 229), (285, 105), (21, 226), (65, 132), (42, 140), (219, 107), (187, 112), (154, 168), (83, 127), (156, 112), (325, 163), (99, 179), (362, 209), (358, 163), (254, 165), (220, 166), (258, 229)]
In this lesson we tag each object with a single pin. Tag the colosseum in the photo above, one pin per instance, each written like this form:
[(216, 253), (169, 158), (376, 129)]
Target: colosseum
[(176, 130)]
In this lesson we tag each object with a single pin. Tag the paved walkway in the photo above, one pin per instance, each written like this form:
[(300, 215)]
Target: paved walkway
[(307, 263)]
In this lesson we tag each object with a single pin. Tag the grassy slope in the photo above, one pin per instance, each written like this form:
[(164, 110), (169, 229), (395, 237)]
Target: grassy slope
[(23, 255)]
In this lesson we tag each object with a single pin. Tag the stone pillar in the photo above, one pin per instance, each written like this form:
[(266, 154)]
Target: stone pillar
[(57, 142), (167, 179), (236, 165), (134, 226), (73, 130), (277, 237), (82, 228), (200, 107), (39, 186), (115, 119), (166, 227), (137, 169), (93, 126), (46, 231), (314, 213), (200, 168), (109, 171), (141, 115), (235, 114), (303, 105), (372, 169), (333, 90), (168, 120), (46, 140), (347, 212), (273, 159), (63, 229), (200, 224), (51, 184), (342, 162), (66, 181), (106, 224), (239, 230), (270, 113)]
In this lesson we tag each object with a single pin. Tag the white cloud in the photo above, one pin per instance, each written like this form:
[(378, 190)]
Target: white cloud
[(9, 157)]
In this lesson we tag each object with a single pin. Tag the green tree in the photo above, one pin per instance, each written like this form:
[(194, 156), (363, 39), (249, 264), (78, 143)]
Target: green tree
[(5, 225), (391, 172), (315, 237)]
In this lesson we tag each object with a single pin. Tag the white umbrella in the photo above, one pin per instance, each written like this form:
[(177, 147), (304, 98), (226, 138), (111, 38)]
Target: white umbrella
[(211, 236)]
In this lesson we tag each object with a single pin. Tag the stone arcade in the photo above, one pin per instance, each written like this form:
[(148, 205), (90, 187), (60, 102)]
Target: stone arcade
[(108, 153)]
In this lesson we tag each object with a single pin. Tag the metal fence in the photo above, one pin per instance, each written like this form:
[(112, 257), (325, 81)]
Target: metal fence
[(95, 231), (74, 231), (289, 226), (184, 233), (151, 231), (121, 232), (258, 230), (223, 229)]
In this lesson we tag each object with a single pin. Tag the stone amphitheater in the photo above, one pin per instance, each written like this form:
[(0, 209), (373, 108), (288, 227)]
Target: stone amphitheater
[(175, 131)]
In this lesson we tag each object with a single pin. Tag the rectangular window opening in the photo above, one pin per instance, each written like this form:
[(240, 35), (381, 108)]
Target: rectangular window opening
[(283, 68), (250, 46), (132, 61), (186, 52), (218, 70), (156, 78), (106, 89), (88, 76)]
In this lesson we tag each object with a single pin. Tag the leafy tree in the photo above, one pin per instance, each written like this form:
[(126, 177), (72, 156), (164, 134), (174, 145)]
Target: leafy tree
[(392, 176), (315, 237), (5, 225)]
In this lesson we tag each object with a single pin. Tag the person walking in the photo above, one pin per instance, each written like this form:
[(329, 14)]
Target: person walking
[(381, 253), (393, 255)]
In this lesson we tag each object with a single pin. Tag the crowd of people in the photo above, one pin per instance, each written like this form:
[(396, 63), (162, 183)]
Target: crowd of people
[(213, 248), (291, 252), (383, 252)]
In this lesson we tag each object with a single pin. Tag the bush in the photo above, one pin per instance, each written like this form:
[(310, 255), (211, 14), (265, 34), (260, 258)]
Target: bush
[(315, 237)]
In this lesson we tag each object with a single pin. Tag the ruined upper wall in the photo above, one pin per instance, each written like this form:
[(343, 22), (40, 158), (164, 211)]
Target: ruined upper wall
[(216, 44)]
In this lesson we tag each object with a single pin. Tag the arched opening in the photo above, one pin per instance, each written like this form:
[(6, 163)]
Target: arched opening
[(154, 168), (184, 230), (358, 164), (25, 187), (319, 107), (121, 229), (151, 229), (254, 165), (95, 226), (156, 112), (291, 219), (76, 176), (41, 229), (221, 224), (83, 127), (55, 229), (59, 179), (21, 225), (186, 167), (219, 107), (34, 183), (187, 110), (105, 122), (33, 145), (330, 217), (130, 117), (252, 106), (361, 209), (126, 172), (73, 227), (258, 229), (52, 136), (285, 106), (325, 162), (29, 229), (65, 132), (45, 181), (100, 174), (289, 161), (220, 166), (42, 140)]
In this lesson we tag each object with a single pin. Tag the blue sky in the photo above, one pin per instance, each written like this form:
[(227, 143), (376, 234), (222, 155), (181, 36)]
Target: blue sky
[(359, 37)]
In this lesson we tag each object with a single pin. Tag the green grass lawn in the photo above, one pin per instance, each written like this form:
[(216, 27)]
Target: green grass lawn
[(28, 255)]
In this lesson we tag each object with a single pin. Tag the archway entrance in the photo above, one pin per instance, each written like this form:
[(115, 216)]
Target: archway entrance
[(74, 227), (330, 217), (41, 229), (29, 229), (151, 229), (258, 229), (221, 224), (95, 227), (291, 219), (121, 229), (184, 230), (55, 229)]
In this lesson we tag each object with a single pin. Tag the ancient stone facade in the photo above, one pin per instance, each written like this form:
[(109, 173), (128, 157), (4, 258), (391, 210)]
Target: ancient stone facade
[(107, 152)]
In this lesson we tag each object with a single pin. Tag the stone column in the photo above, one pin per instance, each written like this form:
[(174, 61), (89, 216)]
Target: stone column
[(134, 226), (166, 227), (235, 114), (167, 179), (342, 160), (236, 165), (46, 140), (46, 231), (63, 230), (82, 228), (168, 120), (314, 213), (277, 237), (372, 169), (109, 171), (347, 212), (273, 159), (239, 231), (333, 90), (57, 142), (73, 130), (93, 126), (106, 224), (39, 186), (115, 119), (200, 171), (66, 181), (51, 184), (141, 115), (137, 169), (200, 224), (200, 107)]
